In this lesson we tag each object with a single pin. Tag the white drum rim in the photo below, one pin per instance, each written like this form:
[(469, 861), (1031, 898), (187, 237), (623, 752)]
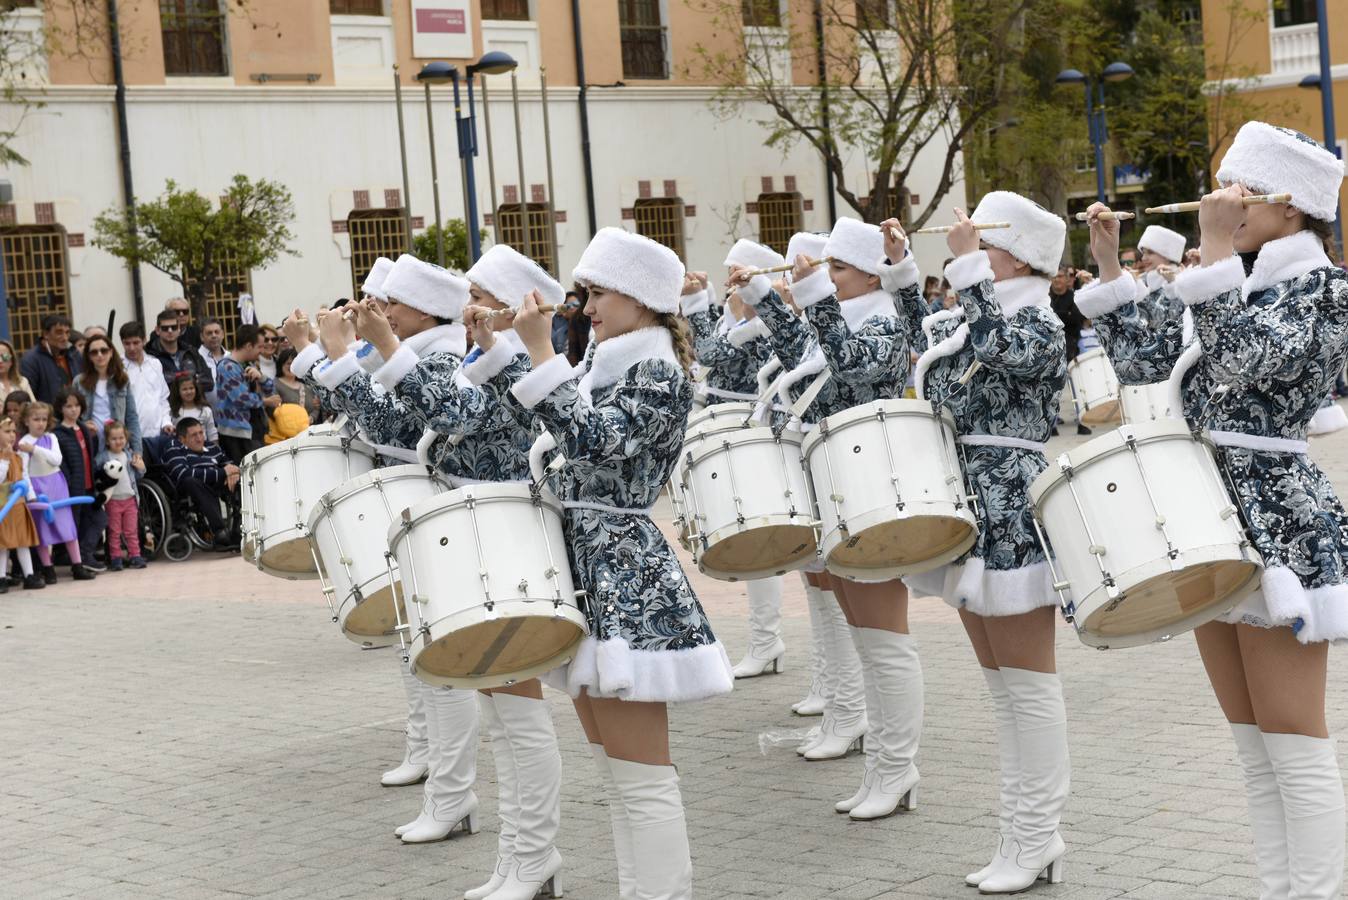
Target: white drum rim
[(832, 539), (330, 501), (802, 519), (1093, 353), (458, 497), (720, 410), (741, 437), (1108, 444), (420, 641), (304, 442), (866, 412)]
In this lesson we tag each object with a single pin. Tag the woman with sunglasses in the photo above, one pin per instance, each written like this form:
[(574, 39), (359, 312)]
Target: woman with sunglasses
[(11, 379), (106, 389)]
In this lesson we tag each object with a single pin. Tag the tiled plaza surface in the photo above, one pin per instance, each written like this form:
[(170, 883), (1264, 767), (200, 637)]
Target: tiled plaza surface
[(199, 730)]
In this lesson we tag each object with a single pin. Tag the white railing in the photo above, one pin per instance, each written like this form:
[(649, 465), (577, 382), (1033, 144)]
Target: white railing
[(1295, 49)]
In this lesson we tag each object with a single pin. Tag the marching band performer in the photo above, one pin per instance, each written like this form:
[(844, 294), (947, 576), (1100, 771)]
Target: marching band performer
[(1161, 251), (997, 362), (1270, 311), (733, 351), (422, 302), (619, 419), (863, 349)]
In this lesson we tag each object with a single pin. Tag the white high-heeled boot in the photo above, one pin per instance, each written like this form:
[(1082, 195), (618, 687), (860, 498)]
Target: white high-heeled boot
[(870, 747), (897, 674), (622, 833), (1008, 745), (507, 806), (663, 866), (1045, 779), (1307, 770), (433, 749), (1267, 821), (766, 648), (844, 723), (538, 764), (449, 799), (414, 766), (816, 699)]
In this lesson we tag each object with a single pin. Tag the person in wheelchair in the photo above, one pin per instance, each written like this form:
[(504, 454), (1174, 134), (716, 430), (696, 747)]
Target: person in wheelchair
[(203, 473)]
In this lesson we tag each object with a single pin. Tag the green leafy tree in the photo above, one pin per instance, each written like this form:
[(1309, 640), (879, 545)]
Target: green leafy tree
[(190, 238), (456, 245)]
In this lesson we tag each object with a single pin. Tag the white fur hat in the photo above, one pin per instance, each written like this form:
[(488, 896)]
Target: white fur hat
[(509, 275), (632, 264), (373, 285), (752, 254), (1273, 160), (1036, 236), (859, 245), (1159, 239), (806, 243), (426, 288)]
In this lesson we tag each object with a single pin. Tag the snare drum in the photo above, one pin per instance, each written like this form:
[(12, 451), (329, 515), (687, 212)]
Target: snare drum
[(1147, 540), (1095, 388), (1145, 402), (683, 522), (354, 566), (486, 581), (287, 480), (247, 526), (890, 490)]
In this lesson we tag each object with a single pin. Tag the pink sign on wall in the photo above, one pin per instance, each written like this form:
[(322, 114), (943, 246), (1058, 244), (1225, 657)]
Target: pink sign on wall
[(442, 29)]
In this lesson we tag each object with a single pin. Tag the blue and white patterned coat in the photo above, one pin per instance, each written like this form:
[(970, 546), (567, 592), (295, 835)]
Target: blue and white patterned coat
[(619, 421), (1277, 338), (1010, 330), (731, 352), (1160, 302)]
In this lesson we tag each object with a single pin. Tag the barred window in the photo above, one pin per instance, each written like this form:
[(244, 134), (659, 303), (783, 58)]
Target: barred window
[(518, 10), (222, 300), (1287, 13), (37, 280), (762, 13), (374, 233), (661, 219), (779, 217), (356, 7), (875, 15), (194, 37), (643, 39), (510, 225)]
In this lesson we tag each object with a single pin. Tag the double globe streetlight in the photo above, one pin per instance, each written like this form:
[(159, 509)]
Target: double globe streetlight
[(1095, 111)]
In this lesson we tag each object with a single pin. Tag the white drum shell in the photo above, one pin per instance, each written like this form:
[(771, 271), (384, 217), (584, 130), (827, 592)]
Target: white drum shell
[(1116, 497), (247, 524), (477, 554), (1145, 402), (343, 528), (1093, 380)]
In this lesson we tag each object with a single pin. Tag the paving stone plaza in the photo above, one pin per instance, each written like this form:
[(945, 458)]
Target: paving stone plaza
[(199, 730)]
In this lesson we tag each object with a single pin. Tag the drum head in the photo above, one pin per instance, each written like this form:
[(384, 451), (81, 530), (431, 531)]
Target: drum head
[(911, 545), (1175, 599), (289, 559), (775, 548), (499, 648), (1104, 414), (373, 618)]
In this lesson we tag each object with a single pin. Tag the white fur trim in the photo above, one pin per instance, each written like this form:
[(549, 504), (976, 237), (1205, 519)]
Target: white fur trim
[(1271, 160), (1285, 259), (875, 305), (1036, 236), (614, 356), (369, 361), (692, 304), (811, 365), (306, 359), (1173, 385), (613, 669), (992, 592), (725, 323), (968, 270), (1205, 282), (1282, 600), (1101, 297), (807, 244), (426, 288), (749, 332), (952, 344), (857, 243), (1162, 240), (900, 275), (758, 287), (542, 380), (1327, 420), (451, 338), (753, 255), (631, 264), (490, 364), (337, 371), (809, 291), (509, 276), (373, 285), (397, 368)]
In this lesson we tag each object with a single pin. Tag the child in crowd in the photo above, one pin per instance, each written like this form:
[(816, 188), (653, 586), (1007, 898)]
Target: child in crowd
[(123, 515), (185, 401), (15, 401), (78, 441), (44, 477), (16, 528)]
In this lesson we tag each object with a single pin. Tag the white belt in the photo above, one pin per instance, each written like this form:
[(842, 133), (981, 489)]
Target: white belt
[(605, 508), (1258, 442), (997, 440), (398, 453), (727, 395), (458, 481)]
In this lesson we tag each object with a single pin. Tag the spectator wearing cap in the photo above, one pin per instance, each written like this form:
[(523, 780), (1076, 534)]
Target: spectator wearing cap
[(53, 362)]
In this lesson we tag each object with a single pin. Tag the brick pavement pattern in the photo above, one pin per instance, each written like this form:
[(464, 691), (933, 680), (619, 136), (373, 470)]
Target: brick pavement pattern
[(198, 730)]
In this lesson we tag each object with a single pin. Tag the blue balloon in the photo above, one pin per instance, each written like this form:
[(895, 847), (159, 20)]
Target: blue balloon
[(49, 506), (16, 490)]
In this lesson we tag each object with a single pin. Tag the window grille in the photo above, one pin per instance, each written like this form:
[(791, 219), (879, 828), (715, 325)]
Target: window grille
[(661, 220), (779, 217), (510, 222), (374, 233), (516, 10), (194, 37), (643, 39), (37, 280)]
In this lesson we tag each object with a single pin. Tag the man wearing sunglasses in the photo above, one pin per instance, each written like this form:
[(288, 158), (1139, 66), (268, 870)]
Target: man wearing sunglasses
[(188, 335), (175, 356), (53, 362)]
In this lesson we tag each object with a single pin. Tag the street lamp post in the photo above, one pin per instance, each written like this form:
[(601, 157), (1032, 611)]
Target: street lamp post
[(1325, 84), (1095, 111), (492, 63)]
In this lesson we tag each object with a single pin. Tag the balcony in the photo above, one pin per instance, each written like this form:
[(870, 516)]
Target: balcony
[(362, 50), (644, 53), (1296, 49), (768, 53)]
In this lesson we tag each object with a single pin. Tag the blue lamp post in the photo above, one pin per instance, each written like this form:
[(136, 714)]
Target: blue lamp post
[(1325, 84), (1095, 111), (493, 63)]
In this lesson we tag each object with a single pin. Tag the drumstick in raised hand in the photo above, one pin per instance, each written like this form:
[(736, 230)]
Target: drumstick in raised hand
[(946, 229), (785, 267), (1193, 205), (1108, 216), (497, 313)]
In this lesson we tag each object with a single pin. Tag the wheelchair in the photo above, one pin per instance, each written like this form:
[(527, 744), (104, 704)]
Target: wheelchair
[(170, 524)]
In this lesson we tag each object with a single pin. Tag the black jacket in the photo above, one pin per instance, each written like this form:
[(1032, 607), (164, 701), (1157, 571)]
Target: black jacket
[(43, 372), (72, 462), (1072, 320), (189, 361)]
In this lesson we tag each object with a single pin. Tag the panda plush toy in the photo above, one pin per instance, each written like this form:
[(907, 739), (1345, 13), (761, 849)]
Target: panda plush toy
[(105, 479)]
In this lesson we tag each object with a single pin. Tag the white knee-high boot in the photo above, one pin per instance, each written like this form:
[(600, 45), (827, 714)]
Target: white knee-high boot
[(896, 673), (413, 767), (845, 720), (1267, 821), (1008, 746), (1045, 779), (662, 863), (507, 806), (870, 746), (449, 800), (766, 648), (1307, 770), (538, 782), (816, 699), (622, 832)]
